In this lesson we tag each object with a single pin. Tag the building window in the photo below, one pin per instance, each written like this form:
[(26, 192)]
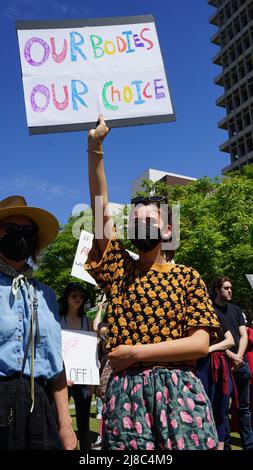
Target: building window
[(246, 41), (249, 143)]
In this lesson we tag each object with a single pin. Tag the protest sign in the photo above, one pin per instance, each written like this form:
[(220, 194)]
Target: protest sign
[(83, 248), (79, 350), (74, 70)]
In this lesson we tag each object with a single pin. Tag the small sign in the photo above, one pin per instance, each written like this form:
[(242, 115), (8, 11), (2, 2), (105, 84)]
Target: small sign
[(83, 248), (79, 351)]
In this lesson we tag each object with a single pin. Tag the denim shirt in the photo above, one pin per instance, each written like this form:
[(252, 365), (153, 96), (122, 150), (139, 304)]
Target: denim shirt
[(15, 317)]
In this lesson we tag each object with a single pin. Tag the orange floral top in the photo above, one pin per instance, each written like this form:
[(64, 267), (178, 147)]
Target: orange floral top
[(148, 304)]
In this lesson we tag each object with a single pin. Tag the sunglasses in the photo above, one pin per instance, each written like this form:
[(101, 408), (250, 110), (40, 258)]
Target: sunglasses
[(148, 199)]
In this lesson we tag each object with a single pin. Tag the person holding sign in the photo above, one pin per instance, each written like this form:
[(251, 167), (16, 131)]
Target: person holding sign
[(73, 318), (159, 317), (32, 376)]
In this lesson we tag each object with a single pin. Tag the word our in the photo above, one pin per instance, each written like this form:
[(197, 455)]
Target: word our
[(136, 92), (127, 43)]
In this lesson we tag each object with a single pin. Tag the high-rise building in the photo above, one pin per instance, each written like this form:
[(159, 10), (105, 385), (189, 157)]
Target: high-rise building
[(234, 19)]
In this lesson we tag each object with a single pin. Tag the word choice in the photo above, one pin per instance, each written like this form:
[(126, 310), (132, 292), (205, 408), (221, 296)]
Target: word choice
[(75, 94)]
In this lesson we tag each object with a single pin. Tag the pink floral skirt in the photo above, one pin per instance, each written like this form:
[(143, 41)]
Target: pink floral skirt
[(157, 409)]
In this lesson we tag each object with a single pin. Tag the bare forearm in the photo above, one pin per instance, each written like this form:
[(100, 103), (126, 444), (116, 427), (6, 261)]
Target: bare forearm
[(60, 396), (182, 349), (222, 346), (97, 180), (242, 345)]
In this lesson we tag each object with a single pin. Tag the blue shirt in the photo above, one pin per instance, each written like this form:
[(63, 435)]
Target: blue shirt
[(15, 319)]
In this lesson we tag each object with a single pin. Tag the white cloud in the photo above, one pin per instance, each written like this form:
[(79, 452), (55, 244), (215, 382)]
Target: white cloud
[(35, 186)]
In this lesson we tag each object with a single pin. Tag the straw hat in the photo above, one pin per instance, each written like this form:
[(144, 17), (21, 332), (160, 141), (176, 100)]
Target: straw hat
[(47, 224)]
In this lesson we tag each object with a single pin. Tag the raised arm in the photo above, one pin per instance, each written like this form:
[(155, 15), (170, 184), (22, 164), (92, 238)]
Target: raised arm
[(98, 184)]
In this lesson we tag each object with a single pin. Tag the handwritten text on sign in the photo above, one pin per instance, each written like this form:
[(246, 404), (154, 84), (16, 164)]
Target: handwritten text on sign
[(83, 248), (79, 350), (70, 75)]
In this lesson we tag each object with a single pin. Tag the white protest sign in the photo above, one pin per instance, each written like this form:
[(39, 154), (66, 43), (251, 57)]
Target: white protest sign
[(250, 279), (74, 70), (83, 248), (79, 350)]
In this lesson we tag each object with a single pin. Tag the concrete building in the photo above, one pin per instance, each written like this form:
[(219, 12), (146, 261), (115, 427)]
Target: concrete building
[(234, 37), (157, 175)]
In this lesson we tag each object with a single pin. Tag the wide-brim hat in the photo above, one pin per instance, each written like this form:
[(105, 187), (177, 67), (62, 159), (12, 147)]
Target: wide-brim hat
[(48, 225)]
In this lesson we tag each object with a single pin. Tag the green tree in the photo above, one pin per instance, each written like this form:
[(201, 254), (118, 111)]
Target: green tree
[(216, 229), (56, 262)]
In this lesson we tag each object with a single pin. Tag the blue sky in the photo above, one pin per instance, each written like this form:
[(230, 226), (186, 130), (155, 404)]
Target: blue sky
[(51, 170)]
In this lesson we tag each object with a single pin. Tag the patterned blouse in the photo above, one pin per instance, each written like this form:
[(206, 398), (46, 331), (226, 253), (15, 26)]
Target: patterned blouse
[(148, 303)]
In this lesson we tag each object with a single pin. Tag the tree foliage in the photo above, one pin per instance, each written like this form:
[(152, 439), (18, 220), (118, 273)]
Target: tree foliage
[(216, 229), (56, 262)]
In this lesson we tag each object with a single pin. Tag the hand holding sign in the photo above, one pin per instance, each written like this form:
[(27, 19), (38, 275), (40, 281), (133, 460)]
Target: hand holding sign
[(101, 131)]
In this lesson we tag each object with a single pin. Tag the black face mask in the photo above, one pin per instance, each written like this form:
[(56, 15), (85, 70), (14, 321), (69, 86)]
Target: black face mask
[(144, 236), (19, 242)]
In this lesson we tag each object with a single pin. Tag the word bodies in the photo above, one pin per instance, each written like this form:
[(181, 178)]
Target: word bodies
[(76, 46)]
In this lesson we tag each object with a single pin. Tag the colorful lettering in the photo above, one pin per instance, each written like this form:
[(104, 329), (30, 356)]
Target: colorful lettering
[(145, 91), (27, 51), (106, 103), (74, 46), (137, 41), (127, 94), (159, 87), (65, 103), (96, 46), (115, 92), (138, 83), (107, 50), (44, 91), (58, 58), (151, 44), (76, 95), (121, 44), (128, 34)]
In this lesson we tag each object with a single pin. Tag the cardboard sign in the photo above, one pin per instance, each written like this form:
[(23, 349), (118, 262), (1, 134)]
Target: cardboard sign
[(79, 350), (83, 248), (74, 70)]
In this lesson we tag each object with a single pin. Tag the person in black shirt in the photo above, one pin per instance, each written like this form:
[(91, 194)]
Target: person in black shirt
[(215, 374), (236, 324)]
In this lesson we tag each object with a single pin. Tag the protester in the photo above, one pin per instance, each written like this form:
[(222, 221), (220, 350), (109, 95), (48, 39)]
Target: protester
[(104, 375), (73, 317), (159, 319), (236, 324), (215, 374), (34, 405)]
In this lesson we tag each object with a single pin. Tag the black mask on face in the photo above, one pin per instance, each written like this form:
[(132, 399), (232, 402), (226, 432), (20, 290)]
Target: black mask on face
[(19, 241), (144, 236)]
